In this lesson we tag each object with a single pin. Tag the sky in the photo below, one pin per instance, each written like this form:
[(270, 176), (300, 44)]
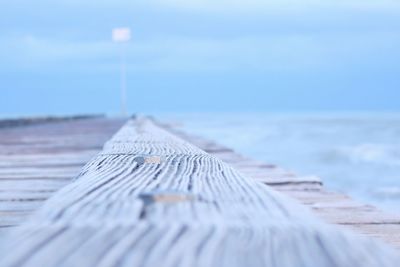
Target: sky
[(57, 57)]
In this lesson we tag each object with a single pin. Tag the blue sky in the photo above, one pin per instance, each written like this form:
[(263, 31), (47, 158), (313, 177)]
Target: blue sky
[(191, 56)]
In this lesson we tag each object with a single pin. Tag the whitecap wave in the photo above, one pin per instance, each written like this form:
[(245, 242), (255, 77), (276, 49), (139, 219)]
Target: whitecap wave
[(367, 153), (392, 192)]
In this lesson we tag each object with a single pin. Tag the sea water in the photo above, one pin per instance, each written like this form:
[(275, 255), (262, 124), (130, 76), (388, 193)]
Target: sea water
[(356, 154)]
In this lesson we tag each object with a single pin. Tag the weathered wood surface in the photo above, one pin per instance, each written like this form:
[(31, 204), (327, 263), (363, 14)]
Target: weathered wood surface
[(40, 156), (332, 207), (152, 199)]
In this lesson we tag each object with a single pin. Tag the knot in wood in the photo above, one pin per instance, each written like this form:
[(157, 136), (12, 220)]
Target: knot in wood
[(168, 197), (148, 159)]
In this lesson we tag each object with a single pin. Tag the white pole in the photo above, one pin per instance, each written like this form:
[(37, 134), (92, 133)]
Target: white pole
[(124, 111), (122, 36)]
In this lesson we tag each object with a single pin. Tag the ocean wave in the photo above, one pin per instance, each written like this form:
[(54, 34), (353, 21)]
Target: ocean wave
[(366, 153), (386, 192)]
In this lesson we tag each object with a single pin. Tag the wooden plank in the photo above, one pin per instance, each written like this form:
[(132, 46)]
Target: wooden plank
[(152, 199), (379, 231), (38, 160), (42, 159), (25, 206), (12, 218), (31, 184)]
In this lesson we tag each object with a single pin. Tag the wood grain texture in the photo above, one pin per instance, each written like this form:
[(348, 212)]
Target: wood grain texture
[(191, 209), (37, 158)]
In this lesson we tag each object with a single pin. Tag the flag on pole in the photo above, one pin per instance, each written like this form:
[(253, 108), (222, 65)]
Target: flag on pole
[(121, 35)]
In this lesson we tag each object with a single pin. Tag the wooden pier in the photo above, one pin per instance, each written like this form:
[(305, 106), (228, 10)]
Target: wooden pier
[(155, 196), (40, 156)]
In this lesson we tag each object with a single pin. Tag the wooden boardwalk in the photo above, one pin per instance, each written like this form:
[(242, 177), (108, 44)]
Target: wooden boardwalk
[(38, 157), (152, 199), (332, 207)]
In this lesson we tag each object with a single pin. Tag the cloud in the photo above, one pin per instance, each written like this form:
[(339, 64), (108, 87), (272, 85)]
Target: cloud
[(245, 53), (278, 52), (173, 53), (30, 52)]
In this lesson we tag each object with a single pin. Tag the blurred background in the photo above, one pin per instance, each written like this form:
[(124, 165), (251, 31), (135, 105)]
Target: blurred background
[(310, 85)]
